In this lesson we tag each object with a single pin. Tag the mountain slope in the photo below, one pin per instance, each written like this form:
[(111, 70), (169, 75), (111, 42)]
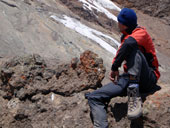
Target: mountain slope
[(47, 90)]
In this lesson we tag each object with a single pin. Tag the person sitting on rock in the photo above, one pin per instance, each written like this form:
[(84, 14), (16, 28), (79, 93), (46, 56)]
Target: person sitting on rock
[(140, 71)]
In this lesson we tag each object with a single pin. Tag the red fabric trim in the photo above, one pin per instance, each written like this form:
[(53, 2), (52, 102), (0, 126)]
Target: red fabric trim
[(144, 41)]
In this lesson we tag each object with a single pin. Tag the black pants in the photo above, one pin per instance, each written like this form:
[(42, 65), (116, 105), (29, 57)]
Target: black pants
[(137, 66)]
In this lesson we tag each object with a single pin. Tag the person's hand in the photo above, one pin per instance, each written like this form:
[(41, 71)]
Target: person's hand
[(114, 76)]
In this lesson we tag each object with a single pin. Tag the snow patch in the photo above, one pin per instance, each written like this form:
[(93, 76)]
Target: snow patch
[(88, 32), (108, 4), (100, 6)]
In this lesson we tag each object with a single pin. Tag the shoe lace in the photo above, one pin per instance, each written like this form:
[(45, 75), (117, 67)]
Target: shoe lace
[(132, 99)]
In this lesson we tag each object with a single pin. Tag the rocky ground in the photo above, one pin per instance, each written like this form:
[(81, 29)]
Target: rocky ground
[(36, 94), (44, 71)]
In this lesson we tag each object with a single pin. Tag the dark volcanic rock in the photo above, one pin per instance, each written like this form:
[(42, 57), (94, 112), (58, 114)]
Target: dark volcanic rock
[(24, 77), (34, 95)]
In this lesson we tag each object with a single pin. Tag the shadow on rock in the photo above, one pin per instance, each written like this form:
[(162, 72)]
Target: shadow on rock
[(137, 123), (119, 111), (155, 89)]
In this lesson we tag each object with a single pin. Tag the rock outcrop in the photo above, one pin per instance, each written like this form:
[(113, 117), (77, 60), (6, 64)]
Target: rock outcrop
[(34, 95)]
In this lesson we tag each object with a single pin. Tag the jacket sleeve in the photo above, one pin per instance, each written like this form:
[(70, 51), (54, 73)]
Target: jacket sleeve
[(123, 52)]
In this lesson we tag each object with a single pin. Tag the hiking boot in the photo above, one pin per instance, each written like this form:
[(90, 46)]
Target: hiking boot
[(134, 102)]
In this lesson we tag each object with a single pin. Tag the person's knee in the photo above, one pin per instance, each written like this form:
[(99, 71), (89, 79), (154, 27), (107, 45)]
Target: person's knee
[(134, 64), (92, 97), (92, 101)]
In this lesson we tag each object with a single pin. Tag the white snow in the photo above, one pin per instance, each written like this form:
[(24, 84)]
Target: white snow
[(88, 32), (52, 96), (108, 4), (101, 5)]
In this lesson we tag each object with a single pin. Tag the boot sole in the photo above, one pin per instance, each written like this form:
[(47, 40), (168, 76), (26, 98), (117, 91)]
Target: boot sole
[(134, 117)]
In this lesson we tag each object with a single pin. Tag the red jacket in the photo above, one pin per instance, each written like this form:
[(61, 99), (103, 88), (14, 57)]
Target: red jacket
[(144, 42)]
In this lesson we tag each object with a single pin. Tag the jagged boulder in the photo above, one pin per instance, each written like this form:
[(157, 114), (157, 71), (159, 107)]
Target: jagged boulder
[(35, 94), (23, 77)]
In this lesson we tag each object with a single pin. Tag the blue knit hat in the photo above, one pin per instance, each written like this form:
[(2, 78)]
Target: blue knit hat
[(127, 17)]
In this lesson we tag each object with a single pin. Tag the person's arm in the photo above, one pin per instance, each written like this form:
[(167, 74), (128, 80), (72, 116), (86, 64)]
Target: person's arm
[(124, 51)]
